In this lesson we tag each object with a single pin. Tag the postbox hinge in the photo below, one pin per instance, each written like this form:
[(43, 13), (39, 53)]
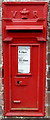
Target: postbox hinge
[(8, 39), (41, 39)]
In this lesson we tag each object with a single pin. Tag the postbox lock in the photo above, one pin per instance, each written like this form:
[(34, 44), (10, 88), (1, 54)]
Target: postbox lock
[(19, 82)]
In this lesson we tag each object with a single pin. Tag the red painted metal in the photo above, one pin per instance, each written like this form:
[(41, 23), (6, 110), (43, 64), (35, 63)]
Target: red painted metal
[(24, 27), (24, 24)]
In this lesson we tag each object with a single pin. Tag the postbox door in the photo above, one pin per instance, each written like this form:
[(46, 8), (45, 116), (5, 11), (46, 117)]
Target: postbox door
[(25, 76)]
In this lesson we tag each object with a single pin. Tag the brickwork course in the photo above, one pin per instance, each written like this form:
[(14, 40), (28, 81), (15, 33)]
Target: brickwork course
[(47, 97)]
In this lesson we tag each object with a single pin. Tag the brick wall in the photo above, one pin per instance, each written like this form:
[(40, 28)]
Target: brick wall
[(47, 98)]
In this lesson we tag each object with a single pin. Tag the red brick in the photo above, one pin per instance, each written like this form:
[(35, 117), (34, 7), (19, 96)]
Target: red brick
[(0, 110), (49, 98), (26, 118), (1, 96), (0, 73), (49, 58), (48, 110), (48, 74), (49, 46), (48, 85)]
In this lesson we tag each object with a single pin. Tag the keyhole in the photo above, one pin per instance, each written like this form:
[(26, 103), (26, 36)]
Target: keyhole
[(18, 82)]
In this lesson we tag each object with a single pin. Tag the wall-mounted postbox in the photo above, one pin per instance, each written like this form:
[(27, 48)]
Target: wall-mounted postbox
[(24, 28)]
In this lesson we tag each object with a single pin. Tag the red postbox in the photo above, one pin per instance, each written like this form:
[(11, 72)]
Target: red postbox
[(24, 28)]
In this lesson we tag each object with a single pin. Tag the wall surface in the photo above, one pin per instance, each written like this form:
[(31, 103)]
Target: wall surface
[(47, 98)]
